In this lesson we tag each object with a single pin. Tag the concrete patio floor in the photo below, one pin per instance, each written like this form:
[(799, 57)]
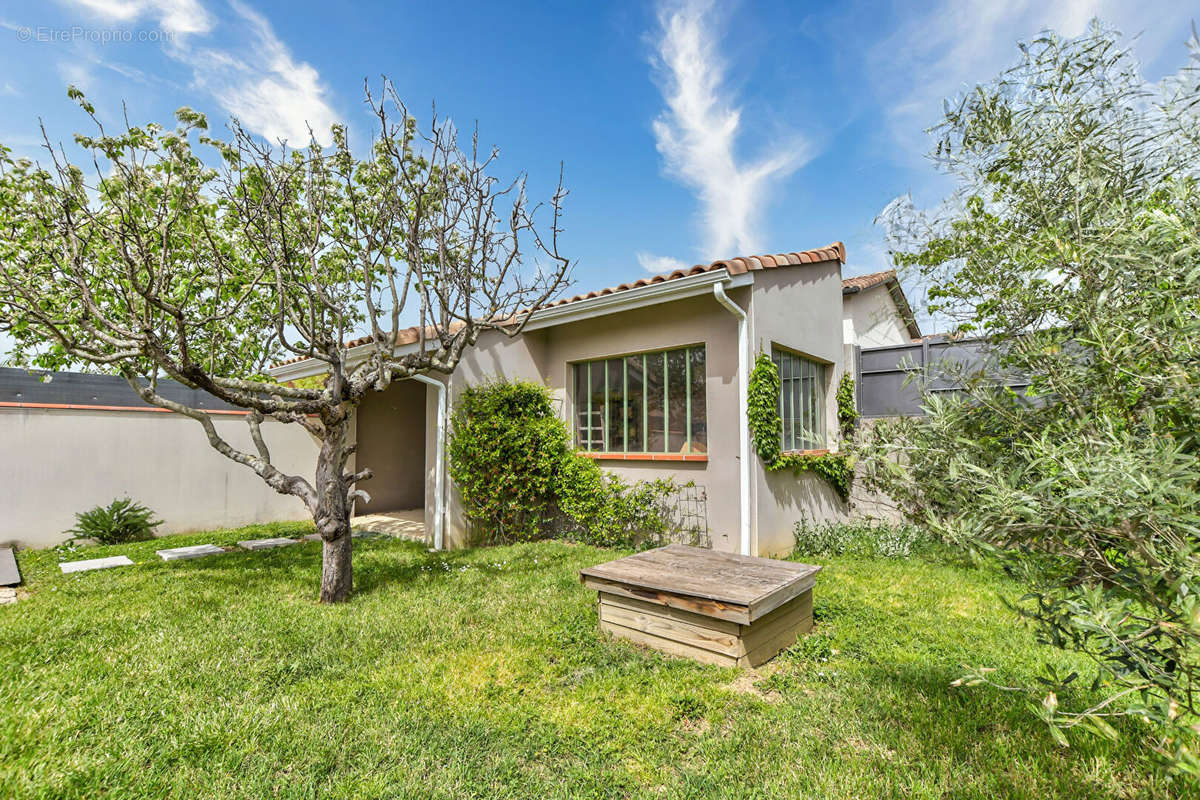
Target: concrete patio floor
[(408, 524)]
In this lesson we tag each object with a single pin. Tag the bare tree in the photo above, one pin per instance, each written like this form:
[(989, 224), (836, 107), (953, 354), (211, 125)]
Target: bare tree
[(162, 265)]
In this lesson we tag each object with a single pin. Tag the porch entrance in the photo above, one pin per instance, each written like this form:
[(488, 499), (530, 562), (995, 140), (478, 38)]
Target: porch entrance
[(391, 433)]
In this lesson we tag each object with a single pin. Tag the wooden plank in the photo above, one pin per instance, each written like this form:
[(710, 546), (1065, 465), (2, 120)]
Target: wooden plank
[(787, 617), (676, 630), (696, 630), (668, 646), (780, 598), (710, 608), (770, 648), (705, 620), (726, 578), (9, 574)]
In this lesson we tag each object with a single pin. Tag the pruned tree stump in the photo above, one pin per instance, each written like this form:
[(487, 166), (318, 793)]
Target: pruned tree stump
[(717, 608)]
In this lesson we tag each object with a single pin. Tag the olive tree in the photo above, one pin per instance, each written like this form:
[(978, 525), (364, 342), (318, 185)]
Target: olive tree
[(183, 255), (1073, 247)]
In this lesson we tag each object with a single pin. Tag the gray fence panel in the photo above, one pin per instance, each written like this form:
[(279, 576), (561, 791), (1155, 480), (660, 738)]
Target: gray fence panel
[(884, 386), (40, 387)]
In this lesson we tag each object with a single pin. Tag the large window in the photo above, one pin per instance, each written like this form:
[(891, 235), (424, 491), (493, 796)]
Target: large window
[(801, 401), (645, 403)]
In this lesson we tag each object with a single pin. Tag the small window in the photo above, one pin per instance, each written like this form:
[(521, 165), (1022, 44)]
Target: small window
[(801, 401), (644, 403)]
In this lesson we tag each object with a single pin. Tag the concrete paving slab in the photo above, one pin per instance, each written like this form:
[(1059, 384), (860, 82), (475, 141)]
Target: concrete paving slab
[(311, 537), (8, 595), (195, 551), (266, 544), (9, 574), (95, 563)]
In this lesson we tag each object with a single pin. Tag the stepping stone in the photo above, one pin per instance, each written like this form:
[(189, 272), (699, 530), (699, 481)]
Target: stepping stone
[(195, 551), (311, 537), (9, 574), (95, 563), (8, 596), (266, 544)]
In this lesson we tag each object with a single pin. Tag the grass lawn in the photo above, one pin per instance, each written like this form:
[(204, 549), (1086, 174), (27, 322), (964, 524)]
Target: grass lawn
[(481, 674)]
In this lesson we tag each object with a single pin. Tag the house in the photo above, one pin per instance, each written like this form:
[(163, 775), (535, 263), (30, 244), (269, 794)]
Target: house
[(875, 312), (651, 378)]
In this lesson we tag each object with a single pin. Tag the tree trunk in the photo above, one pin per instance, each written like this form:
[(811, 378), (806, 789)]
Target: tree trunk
[(337, 570), (333, 514)]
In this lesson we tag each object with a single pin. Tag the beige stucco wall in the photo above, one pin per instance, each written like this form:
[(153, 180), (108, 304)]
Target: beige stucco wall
[(798, 308), (55, 462), (690, 321), (870, 319)]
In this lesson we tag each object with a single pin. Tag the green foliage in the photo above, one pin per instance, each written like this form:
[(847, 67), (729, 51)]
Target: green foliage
[(1076, 251), (120, 521), (765, 425), (520, 480), (847, 408), (599, 508), (762, 395), (862, 538), (506, 450)]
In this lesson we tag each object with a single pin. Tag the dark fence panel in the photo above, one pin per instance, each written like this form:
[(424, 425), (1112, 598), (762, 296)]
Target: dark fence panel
[(883, 383), (39, 387)]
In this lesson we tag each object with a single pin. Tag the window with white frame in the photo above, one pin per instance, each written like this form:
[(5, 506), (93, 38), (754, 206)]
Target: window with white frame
[(801, 401), (642, 403)]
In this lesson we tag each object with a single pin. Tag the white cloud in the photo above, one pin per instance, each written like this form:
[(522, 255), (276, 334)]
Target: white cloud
[(698, 131), (75, 74), (952, 45), (252, 75), (177, 17), (657, 264), (267, 89)]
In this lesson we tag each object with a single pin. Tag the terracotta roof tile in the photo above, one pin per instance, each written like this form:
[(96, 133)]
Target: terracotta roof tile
[(403, 336), (735, 266), (860, 282)]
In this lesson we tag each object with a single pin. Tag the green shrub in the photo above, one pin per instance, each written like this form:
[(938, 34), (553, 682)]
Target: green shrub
[(506, 451), (867, 538), (121, 521), (511, 458), (601, 509)]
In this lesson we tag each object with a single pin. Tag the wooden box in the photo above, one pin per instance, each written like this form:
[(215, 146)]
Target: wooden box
[(718, 608)]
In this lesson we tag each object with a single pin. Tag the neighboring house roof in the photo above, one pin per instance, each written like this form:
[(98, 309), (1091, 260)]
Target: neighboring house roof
[(860, 282), (887, 277)]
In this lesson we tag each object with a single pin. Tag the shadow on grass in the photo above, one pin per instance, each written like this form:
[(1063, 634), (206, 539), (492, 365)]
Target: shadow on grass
[(380, 564)]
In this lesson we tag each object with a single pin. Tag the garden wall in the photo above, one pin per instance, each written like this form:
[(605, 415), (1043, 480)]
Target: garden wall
[(63, 457)]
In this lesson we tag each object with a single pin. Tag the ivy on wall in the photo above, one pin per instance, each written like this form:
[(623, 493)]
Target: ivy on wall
[(765, 424)]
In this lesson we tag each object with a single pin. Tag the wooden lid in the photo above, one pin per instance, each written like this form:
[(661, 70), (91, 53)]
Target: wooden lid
[(758, 585)]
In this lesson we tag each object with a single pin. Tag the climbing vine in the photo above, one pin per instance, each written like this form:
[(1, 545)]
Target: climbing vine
[(846, 407), (765, 425)]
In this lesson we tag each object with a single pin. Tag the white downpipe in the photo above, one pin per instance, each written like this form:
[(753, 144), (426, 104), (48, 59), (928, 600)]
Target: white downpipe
[(743, 415), (439, 481)]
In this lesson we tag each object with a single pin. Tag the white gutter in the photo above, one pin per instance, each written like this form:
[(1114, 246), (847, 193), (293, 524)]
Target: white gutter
[(743, 416), (439, 481), (629, 299)]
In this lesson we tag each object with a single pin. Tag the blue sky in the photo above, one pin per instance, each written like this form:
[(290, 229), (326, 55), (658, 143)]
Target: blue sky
[(689, 131)]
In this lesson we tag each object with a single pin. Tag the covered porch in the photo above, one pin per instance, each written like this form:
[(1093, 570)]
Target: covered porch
[(397, 436)]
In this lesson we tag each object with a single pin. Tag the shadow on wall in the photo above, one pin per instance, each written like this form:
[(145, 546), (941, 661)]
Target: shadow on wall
[(795, 496)]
